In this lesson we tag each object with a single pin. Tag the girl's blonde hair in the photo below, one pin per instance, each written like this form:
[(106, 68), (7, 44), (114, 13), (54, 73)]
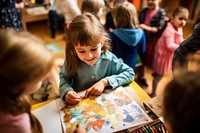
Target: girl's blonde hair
[(84, 30), (92, 6), (24, 59), (125, 15)]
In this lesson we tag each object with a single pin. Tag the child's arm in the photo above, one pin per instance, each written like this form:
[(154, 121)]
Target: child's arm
[(64, 85), (121, 73)]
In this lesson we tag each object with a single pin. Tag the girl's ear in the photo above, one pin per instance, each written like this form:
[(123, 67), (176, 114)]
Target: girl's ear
[(171, 18)]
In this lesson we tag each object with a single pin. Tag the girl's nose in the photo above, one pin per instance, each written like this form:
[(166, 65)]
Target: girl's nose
[(90, 54)]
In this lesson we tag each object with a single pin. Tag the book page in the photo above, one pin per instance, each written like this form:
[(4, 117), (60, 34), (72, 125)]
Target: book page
[(48, 116), (113, 111)]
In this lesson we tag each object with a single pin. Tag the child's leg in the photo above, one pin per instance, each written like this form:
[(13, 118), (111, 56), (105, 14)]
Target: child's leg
[(156, 80), (53, 22)]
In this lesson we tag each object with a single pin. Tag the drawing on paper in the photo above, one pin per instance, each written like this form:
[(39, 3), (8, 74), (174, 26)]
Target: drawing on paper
[(112, 111)]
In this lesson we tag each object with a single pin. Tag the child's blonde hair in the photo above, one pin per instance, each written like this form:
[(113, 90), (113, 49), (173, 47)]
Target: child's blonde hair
[(24, 59), (84, 30), (125, 15), (92, 6)]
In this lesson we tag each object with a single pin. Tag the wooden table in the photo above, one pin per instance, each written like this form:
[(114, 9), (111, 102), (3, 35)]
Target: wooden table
[(33, 17)]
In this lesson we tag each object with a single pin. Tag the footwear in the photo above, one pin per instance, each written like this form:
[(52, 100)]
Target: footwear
[(143, 81)]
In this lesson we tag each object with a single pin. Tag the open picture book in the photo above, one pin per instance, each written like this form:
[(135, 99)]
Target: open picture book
[(113, 111)]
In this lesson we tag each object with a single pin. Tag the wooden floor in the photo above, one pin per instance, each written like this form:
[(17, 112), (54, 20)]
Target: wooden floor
[(41, 29)]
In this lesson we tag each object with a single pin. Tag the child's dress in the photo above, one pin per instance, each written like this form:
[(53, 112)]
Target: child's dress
[(9, 16), (164, 50)]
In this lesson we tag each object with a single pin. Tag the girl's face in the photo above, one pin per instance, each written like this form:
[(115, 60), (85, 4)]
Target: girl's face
[(153, 4), (180, 19), (89, 54)]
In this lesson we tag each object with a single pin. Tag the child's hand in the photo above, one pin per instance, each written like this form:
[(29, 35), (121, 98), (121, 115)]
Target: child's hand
[(97, 88), (72, 97), (80, 129), (143, 26)]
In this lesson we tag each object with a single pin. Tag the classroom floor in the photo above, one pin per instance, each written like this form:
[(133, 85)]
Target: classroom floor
[(41, 29)]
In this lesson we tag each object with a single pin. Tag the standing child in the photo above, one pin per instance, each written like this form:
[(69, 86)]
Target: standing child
[(62, 12), (9, 15), (181, 106), (167, 44), (151, 20), (89, 65), (109, 24), (127, 39), (25, 62)]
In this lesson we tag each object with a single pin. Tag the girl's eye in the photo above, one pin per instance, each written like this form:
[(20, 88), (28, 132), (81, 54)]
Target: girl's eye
[(81, 51), (94, 49), (181, 18)]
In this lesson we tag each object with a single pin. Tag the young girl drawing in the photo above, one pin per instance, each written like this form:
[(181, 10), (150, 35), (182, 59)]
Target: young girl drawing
[(89, 65), (25, 63), (167, 44), (151, 20), (127, 39)]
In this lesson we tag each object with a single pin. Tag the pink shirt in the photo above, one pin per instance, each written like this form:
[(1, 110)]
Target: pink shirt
[(15, 124), (149, 15)]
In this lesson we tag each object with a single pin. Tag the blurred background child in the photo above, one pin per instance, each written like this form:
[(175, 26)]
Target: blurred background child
[(167, 44), (62, 12), (109, 24), (9, 15), (181, 106), (187, 49), (151, 20), (89, 65), (25, 63), (127, 39)]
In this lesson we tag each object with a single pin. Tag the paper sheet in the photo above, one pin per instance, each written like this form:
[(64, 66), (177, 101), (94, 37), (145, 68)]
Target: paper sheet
[(48, 116)]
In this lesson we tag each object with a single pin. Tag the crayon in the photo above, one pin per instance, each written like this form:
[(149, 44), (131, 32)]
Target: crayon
[(151, 129), (155, 130), (143, 130), (163, 130), (160, 130), (140, 130), (148, 129)]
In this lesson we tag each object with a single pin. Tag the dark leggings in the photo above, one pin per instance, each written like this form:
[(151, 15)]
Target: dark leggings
[(55, 19)]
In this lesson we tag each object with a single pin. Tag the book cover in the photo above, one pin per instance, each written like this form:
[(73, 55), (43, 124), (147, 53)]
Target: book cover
[(154, 106)]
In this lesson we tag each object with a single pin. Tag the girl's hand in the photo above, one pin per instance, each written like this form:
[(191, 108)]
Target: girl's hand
[(80, 129), (97, 88), (72, 97)]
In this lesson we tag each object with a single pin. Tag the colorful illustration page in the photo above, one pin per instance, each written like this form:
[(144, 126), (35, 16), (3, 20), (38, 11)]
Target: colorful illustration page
[(111, 112)]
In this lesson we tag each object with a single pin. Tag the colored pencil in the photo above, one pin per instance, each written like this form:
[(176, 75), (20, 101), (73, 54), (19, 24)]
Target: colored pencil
[(148, 128), (151, 129), (155, 130), (163, 130)]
